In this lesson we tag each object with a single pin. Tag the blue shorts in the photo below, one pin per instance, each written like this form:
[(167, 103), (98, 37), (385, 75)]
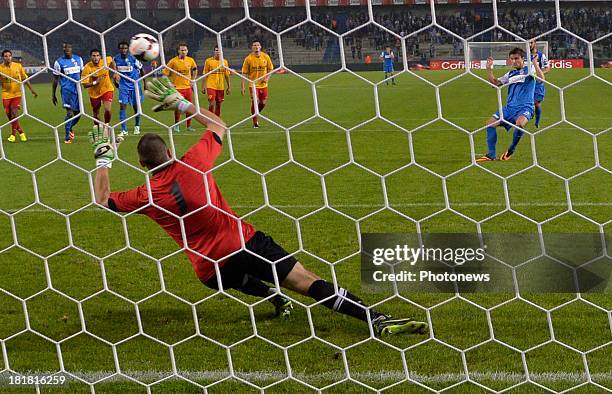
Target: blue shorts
[(129, 96), (539, 93), (70, 100), (388, 69), (512, 114)]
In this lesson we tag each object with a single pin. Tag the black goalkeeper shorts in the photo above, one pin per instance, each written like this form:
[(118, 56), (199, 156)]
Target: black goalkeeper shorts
[(235, 270)]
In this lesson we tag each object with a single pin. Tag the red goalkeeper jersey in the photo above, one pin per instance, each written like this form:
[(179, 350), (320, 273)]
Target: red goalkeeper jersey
[(181, 190)]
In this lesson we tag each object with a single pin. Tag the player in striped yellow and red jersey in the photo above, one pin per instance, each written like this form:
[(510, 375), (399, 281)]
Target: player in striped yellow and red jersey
[(184, 70), (213, 84), (257, 67), (99, 85), (11, 75)]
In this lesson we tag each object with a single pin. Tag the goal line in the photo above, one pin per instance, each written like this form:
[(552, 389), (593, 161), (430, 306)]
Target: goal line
[(381, 376)]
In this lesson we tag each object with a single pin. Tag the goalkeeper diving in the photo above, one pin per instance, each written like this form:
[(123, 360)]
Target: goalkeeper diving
[(213, 232)]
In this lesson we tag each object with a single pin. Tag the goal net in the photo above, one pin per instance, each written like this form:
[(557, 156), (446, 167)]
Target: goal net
[(349, 146)]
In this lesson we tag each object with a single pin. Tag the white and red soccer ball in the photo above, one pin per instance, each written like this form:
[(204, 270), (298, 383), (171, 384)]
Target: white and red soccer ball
[(144, 47)]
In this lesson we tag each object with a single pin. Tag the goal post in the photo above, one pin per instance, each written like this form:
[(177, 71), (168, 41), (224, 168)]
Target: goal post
[(478, 52)]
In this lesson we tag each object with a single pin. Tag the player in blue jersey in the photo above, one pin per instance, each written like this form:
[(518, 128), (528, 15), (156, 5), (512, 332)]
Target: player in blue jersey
[(540, 91), (69, 65), (128, 66), (388, 57), (519, 106)]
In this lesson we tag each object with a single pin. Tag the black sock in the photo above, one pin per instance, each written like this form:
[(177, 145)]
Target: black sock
[(321, 289), (255, 287)]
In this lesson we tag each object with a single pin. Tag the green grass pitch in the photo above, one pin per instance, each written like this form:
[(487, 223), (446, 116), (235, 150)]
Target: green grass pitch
[(322, 147)]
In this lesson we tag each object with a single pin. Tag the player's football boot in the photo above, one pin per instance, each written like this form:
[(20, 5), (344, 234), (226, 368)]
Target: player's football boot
[(176, 129), (484, 158), (11, 138), (255, 125), (123, 133), (282, 306), (385, 325), (136, 130), (22, 137), (67, 141), (190, 129), (506, 156)]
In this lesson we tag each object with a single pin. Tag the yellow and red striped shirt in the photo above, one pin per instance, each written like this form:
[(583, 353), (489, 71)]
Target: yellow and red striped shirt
[(11, 89), (183, 67), (216, 78), (101, 74), (256, 67)]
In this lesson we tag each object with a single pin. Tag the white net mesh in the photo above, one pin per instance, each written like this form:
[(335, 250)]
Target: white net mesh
[(410, 41)]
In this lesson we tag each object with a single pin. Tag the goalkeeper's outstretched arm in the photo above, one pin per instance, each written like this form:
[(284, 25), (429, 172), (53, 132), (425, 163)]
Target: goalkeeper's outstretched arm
[(103, 154), (212, 122), (102, 186), (164, 92)]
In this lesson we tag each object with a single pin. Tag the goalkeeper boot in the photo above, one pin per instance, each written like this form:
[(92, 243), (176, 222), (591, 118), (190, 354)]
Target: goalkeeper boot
[(11, 138), (506, 156), (282, 306), (484, 158), (385, 325), (22, 137)]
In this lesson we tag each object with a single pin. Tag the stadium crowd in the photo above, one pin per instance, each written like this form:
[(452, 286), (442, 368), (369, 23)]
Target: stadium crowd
[(527, 21)]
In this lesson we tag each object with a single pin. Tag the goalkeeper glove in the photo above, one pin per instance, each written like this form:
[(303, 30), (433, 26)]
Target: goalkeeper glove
[(162, 90), (102, 149)]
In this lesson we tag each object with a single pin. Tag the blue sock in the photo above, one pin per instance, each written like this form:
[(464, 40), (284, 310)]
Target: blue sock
[(538, 114), (516, 137), (491, 141), (75, 121), (122, 118)]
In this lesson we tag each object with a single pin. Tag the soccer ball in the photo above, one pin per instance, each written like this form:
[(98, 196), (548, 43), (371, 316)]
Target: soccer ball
[(144, 47)]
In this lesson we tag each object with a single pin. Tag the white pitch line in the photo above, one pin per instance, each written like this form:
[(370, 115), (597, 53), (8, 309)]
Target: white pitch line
[(332, 129), (401, 205), (383, 376)]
